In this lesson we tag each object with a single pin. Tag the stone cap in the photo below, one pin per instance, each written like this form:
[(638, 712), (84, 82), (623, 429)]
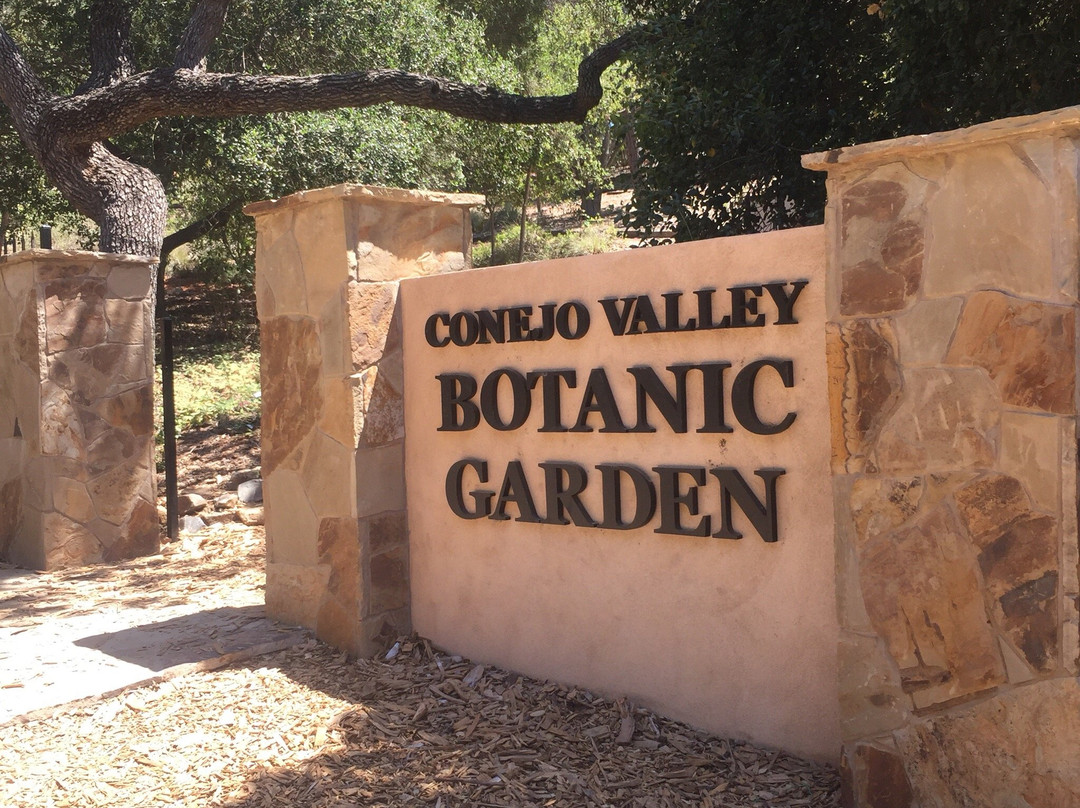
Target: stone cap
[(39, 255), (374, 192), (1058, 122)]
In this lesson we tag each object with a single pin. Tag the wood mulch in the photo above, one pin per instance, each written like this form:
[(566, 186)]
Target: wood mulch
[(310, 727)]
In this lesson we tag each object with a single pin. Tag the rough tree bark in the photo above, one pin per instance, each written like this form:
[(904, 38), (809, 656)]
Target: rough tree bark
[(68, 135)]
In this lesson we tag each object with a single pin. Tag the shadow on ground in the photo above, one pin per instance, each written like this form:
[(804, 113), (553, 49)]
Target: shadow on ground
[(428, 728)]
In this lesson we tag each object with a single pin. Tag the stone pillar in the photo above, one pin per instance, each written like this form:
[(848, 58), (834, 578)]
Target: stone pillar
[(76, 409), (952, 359), (328, 264)]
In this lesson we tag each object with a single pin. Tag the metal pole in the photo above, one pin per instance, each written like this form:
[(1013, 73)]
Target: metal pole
[(46, 237), (168, 407)]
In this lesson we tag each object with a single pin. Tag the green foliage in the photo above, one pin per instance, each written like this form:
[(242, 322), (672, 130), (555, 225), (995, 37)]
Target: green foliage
[(217, 391), (592, 238), (951, 63), (735, 91), (508, 24)]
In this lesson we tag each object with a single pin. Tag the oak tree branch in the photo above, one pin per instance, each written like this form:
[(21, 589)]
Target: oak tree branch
[(119, 108), (203, 28)]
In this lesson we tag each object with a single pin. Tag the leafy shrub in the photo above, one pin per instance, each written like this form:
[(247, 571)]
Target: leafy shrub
[(593, 237)]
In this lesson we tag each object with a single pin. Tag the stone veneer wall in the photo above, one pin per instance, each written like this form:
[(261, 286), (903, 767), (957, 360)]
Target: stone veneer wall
[(76, 409), (952, 360), (328, 264)]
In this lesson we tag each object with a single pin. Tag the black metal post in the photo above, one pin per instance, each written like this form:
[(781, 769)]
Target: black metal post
[(168, 413), (45, 232)]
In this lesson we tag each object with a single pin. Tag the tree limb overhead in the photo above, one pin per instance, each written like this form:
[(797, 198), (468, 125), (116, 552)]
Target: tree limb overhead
[(111, 55), (119, 108), (203, 28)]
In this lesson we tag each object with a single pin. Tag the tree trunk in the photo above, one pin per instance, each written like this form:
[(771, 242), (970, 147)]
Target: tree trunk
[(633, 154), (592, 201), (127, 201), (524, 206)]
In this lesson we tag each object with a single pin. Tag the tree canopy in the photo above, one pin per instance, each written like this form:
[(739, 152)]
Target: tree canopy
[(738, 90), (108, 132)]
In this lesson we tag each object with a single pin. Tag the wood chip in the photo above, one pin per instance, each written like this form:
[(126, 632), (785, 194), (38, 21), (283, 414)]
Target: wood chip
[(310, 727)]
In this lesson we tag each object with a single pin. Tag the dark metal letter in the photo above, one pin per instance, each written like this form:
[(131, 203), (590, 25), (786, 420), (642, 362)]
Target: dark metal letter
[(671, 498), (742, 396), (489, 399), (564, 482), (644, 496), (515, 489), (454, 496), (457, 390), (761, 516), (429, 329)]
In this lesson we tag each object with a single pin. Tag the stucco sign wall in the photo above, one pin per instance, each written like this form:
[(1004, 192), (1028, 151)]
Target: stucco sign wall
[(617, 475)]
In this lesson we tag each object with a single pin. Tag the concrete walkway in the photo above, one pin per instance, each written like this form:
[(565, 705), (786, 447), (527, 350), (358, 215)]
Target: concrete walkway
[(93, 632)]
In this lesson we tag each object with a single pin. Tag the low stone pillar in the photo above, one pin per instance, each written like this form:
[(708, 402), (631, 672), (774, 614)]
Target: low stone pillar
[(328, 264), (952, 352), (76, 409)]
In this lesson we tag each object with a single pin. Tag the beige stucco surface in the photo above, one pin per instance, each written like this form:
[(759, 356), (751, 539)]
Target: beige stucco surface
[(734, 636)]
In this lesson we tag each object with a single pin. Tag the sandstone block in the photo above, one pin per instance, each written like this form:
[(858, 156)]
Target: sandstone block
[(925, 330), (989, 504), (279, 269), (870, 382), (30, 333), (878, 778), (372, 312), (291, 366), (127, 321), (389, 573), (1030, 619), (139, 535), (114, 492), (68, 543), (339, 549), (921, 589), (319, 231), (872, 700), (1030, 451), (1027, 348), (982, 237), (1025, 549), (334, 337), (886, 284), (384, 409), (380, 479), (1021, 756), (72, 500), (74, 313), (10, 513), (327, 476), (129, 282), (386, 531), (60, 434), (291, 523), (948, 419), (339, 625), (402, 240), (131, 410), (874, 199), (336, 415), (294, 592)]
